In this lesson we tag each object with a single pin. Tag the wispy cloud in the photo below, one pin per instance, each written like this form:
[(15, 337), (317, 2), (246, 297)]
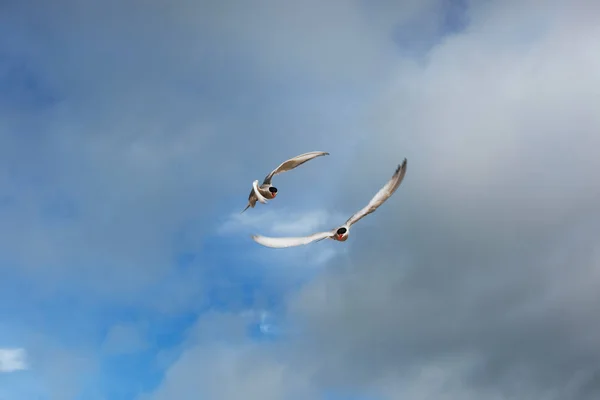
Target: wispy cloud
[(13, 359), (284, 222)]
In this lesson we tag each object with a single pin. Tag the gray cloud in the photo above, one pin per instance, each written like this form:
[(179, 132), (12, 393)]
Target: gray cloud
[(223, 372), (12, 359), (488, 253), (478, 279), (218, 363)]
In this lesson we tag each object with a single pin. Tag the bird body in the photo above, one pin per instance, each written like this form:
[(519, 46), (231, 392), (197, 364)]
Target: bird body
[(266, 191)]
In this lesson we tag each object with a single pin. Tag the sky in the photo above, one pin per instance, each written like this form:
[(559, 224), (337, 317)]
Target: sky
[(131, 132)]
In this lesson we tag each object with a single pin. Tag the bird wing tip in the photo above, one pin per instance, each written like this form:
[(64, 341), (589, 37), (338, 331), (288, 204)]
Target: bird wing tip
[(403, 165)]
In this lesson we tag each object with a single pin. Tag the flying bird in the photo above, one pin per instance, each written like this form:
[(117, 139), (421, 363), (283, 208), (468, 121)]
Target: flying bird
[(266, 190), (341, 233)]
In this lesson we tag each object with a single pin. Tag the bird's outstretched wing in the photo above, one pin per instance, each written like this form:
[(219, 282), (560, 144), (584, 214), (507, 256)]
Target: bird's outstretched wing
[(293, 163), (384, 193), (281, 242), (259, 196)]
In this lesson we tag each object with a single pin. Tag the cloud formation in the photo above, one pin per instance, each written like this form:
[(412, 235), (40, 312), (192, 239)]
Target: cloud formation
[(489, 278), (130, 133), (478, 278), (13, 360)]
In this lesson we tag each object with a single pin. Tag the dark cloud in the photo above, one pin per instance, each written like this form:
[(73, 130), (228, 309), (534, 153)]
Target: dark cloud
[(484, 266), (478, 278)]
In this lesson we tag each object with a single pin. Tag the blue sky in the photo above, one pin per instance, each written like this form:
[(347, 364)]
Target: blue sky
[(130, 134), (130, 245)]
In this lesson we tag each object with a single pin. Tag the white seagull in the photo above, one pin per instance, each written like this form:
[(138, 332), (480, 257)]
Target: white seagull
[(340, 234), (268, 191)]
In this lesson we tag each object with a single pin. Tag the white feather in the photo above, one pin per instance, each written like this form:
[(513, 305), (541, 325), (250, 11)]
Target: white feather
[(292, 163), (382, 195), (281, 242), (259, 196)]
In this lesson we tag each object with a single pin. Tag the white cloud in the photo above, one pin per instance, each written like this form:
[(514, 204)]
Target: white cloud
[(281, 222), (13, 359), (302, 224)]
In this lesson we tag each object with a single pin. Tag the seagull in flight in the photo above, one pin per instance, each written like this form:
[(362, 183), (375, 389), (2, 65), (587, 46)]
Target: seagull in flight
[(266, 190), (341, 233)]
